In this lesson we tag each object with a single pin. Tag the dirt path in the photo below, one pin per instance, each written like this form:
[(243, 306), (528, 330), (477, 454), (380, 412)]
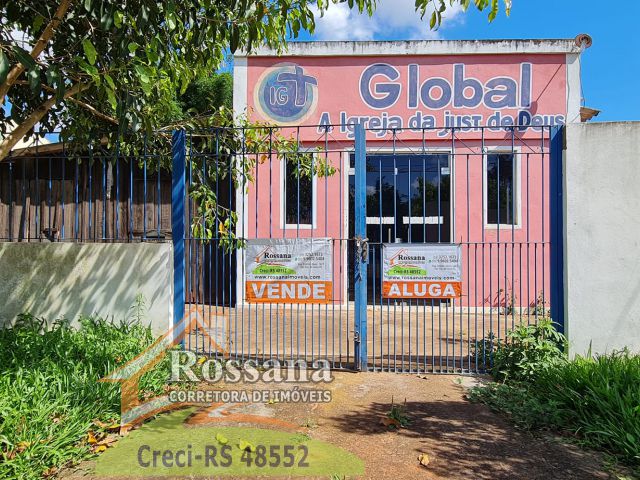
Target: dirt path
[(462, 440)]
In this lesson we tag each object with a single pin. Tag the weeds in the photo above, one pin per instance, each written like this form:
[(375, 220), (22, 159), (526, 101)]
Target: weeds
[(398, 414), (538, 308), (139, 308), (483, 350), (309, 422), (528, 350), (509, 302), (596, 400), (49, 390)]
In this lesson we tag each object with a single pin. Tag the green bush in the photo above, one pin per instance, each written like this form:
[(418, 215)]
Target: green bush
[(49, 389), (517, 401), (599, 400), (528, 351), (594, 399)]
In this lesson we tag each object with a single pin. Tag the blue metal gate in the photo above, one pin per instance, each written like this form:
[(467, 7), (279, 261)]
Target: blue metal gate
[(496, 192)]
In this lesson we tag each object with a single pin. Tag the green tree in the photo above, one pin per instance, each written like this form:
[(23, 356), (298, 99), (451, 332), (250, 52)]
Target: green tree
[(208, 94), (203, 103), (106, 68)]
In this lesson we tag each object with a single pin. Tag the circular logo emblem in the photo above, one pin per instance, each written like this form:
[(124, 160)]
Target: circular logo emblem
[(286, 94)]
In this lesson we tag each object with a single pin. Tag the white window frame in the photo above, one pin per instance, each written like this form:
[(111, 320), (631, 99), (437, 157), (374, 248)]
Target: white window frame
[(516, 152), (283, 199)]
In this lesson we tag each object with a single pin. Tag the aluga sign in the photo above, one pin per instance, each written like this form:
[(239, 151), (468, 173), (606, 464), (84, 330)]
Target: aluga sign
[(421, 271)]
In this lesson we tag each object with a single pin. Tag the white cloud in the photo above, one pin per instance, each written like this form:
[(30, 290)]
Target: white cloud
[(393, 19)]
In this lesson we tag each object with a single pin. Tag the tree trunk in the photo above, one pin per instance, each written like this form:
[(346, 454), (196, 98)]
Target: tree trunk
[(9, 141), (38, 48)]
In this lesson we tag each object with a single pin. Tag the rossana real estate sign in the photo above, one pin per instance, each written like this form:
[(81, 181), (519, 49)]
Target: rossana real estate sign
[(289, 270), (421, 271)]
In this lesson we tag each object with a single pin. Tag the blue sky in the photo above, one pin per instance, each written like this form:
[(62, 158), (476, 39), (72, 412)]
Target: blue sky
[(610, 68)]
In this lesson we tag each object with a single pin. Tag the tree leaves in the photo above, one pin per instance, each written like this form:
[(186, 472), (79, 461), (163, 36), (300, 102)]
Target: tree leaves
[(89, 51), (34, 80), (24, 57), (117, 18), (494, 10), (144, 73), (4, 66), (111, 98), (235, 38), (136, 60)]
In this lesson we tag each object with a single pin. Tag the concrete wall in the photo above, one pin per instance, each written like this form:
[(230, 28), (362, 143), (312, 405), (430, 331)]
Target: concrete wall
[(55, 280), (602, 255)]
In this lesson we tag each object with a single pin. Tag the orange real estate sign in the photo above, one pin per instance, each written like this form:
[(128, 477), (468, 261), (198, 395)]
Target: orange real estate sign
[(421, 271), (289, 271)]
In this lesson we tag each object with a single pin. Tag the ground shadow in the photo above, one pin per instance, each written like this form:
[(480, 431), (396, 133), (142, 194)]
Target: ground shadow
[(468, 441)]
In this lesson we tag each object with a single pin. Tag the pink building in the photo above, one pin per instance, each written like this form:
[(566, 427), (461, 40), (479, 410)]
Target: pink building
[(458, 152)]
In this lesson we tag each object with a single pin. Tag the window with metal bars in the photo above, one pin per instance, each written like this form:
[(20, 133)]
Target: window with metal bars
[(501, 189), (298, 195)]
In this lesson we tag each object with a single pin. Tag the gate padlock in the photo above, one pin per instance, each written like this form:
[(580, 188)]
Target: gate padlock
[(362, 246), (364, 253)]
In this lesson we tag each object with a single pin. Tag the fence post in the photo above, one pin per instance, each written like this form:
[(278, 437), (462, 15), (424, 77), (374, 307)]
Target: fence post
[(179, 154), (556, 186), (362, 250)]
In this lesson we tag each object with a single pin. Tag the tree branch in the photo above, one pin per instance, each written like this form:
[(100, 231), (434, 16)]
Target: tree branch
[(86, 106), (94, 111), (21, 130), (38, 48)]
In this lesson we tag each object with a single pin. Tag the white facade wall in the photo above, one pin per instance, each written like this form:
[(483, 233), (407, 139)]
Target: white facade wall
[(602, 249)]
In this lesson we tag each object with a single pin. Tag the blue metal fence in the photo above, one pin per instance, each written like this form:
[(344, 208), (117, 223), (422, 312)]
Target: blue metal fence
[(425, 186), (495, 192)]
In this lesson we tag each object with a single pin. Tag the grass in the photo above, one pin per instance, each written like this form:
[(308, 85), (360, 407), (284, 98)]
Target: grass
[(595, 399), (49, 390), (323, 458)]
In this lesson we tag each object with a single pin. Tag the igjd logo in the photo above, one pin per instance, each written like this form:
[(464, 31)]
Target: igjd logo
[(286, 94)]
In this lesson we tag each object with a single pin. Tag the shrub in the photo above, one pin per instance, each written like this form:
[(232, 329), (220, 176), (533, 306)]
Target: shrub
[(599, 400), (49, 389), (524, 409), (528, 351), (595, 399)]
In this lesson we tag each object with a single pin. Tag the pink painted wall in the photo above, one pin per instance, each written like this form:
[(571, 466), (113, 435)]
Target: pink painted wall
[(485, 249), (265, 215)]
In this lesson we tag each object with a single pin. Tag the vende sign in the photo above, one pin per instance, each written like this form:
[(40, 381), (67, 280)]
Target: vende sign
[(417, 270), (288, 292), (289, 271)]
